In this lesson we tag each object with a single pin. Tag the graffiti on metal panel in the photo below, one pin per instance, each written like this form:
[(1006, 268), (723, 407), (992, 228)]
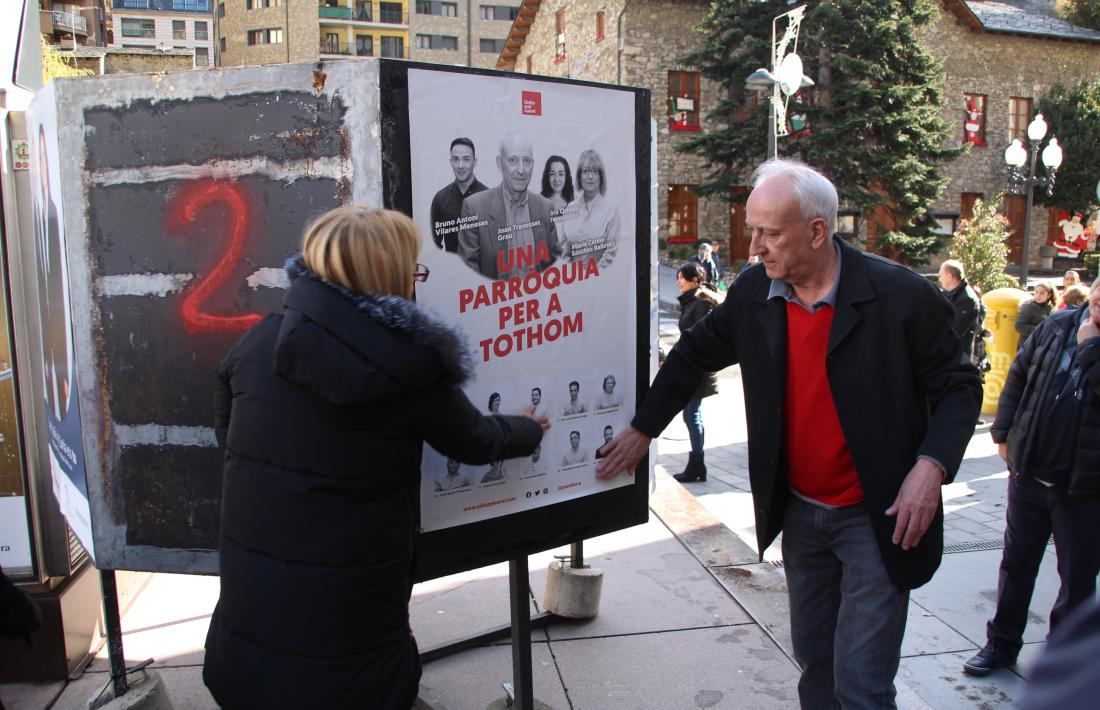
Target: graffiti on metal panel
[(184, 209)]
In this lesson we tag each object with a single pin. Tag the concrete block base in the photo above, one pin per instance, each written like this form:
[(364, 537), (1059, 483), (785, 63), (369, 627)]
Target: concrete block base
[(146, 693), (573, 593)]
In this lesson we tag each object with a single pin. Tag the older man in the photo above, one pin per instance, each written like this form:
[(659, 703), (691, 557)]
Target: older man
[(1047, 430), (507, 231), (968, 308), (858, 410)]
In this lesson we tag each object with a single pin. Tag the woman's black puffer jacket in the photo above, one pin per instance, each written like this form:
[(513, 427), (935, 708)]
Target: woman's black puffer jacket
[(323, 410), (694, 306)]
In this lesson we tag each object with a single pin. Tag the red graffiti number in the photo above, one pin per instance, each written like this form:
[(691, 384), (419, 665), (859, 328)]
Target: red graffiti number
[(187, 205)]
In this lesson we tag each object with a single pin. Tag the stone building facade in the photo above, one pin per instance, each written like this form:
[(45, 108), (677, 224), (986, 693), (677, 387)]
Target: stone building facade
[(1010, 60), (273, 31), (988, 49), (460, 32)]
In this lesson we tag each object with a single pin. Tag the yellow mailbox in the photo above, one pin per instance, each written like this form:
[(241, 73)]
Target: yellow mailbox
[(1001, 307)]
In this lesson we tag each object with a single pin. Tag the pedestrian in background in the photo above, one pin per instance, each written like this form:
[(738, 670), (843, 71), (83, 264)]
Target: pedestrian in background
[(1070, 279), (696, 301), (323, 411), (1047, 430), (710, 269), (858, 409), (968, 307), (1035, 311), (1074, 296)]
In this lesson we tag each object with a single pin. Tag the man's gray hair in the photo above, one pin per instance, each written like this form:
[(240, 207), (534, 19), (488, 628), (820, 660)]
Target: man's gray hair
[(955, 267), (814, 192)]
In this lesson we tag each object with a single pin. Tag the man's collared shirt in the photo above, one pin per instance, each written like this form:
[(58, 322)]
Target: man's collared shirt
[(517, 214)]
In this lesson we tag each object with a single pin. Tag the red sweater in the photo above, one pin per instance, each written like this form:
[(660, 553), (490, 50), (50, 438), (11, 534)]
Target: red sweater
[(820, 465)]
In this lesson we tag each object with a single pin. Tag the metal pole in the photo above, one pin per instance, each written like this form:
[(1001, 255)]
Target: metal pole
[(576, 555), (114, 631), (1026, 247), (521, 632), (773, 148)]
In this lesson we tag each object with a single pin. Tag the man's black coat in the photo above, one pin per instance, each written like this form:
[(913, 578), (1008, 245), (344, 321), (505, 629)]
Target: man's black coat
[(901, 386)]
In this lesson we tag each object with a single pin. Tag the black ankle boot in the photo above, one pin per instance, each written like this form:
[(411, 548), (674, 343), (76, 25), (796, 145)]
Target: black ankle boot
[(696, 470)]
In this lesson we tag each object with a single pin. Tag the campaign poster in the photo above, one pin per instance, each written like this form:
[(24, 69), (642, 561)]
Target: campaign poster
[(61, 399), (525, 194)]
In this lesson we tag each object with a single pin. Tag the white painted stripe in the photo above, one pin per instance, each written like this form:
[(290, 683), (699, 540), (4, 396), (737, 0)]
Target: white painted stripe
[(141, 284), (270, 277), (333, 167), (155, 435), (164, 284)]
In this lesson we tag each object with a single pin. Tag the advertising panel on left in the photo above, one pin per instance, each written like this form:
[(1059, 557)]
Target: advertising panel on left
[(61, 399)]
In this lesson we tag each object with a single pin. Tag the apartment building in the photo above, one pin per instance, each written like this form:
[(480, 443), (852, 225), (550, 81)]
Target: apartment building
[(166, 24), (461, 32), (271, 31), (76, 23)]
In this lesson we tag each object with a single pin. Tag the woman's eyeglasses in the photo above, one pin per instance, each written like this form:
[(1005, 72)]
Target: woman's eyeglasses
[(421, 273)]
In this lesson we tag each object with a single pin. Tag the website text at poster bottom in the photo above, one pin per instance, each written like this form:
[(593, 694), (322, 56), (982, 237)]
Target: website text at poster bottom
[(488, 504), (531, 336)]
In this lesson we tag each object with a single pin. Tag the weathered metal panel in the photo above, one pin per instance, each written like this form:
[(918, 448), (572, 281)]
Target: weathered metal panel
[(185, 194)]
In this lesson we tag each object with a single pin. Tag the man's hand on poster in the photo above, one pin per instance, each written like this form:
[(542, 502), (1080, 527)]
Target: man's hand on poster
[(622, 453), (916, 504), (541, 421)]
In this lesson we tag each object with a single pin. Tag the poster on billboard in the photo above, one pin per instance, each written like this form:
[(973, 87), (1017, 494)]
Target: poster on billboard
[(534, 232), (58, 379)]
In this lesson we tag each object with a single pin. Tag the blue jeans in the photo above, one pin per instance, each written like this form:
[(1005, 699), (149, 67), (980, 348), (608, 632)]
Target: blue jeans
[(1034, 511), (693, 417), (847, 617)]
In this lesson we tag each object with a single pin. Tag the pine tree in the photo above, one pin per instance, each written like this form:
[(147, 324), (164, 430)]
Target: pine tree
[(1073, 115), (980, 243), (875, 122), (1083, 13)]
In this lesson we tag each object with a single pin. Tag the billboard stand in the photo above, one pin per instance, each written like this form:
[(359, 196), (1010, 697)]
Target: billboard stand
[(521, 694), (113, 622)]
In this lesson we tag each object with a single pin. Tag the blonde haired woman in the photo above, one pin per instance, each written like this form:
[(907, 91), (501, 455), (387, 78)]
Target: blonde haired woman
[(322, 410)]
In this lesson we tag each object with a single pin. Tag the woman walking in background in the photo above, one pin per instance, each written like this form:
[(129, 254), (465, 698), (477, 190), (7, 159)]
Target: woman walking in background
[(323, 410), (696, 301), (1035, 311)]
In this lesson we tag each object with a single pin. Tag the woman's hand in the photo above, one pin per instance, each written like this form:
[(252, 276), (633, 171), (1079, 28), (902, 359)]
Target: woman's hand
[(541, 421)]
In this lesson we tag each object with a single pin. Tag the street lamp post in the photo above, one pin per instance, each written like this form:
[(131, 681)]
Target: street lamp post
[(784, 78), (1016, 156)]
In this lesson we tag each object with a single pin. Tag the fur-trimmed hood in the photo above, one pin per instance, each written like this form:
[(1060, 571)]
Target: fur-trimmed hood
[(408, 344)]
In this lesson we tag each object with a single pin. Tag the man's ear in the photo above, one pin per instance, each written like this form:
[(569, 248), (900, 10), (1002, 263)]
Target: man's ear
[(820, 232), (500, 164)]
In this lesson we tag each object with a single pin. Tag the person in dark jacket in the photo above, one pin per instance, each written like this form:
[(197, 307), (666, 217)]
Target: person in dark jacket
[(706, 263), (1035, 311), (858, 410), (696, 301), (323, 411), (1047, 430), (968, 308)]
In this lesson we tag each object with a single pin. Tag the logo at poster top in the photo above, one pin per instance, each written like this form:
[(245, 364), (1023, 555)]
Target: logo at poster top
[(532, 103)]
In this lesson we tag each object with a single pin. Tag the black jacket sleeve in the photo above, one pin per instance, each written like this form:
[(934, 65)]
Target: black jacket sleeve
[(455, 428)]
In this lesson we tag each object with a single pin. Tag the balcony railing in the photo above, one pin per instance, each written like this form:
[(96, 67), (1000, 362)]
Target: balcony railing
[(334, 13), (69, 21), (362, 12), (351, 50)]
